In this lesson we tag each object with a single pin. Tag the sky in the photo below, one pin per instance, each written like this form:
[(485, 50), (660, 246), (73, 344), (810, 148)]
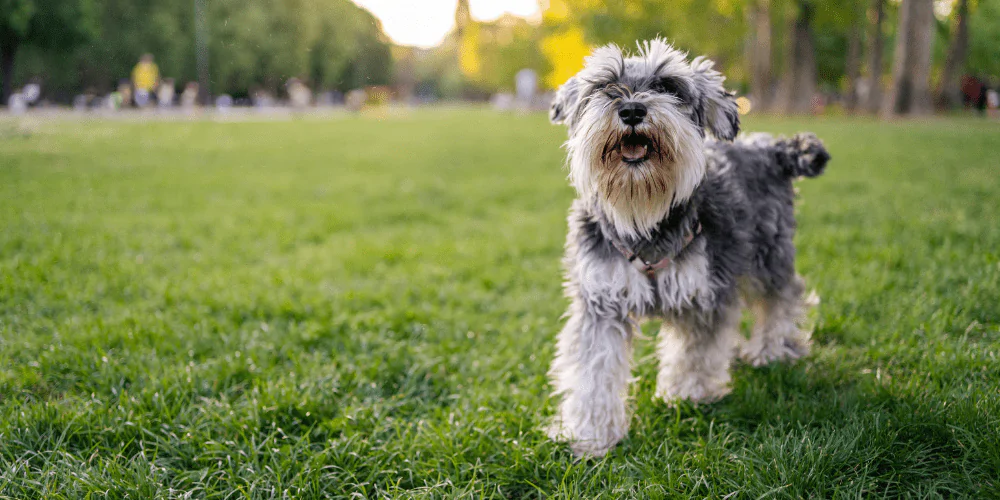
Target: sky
[(424, 23)]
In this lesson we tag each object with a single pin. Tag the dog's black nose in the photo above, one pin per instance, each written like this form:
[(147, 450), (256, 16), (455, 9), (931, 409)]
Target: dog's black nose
[(632, 113)]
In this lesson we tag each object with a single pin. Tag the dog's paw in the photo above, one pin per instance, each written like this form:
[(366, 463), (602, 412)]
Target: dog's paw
[(698, 390), (763, 351), (586, 442), (590, 449)]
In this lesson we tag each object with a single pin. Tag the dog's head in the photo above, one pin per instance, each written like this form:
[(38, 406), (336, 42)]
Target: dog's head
[(637, 129)]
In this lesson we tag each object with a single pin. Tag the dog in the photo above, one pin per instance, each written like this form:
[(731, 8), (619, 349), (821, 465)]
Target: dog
[(670, 223)]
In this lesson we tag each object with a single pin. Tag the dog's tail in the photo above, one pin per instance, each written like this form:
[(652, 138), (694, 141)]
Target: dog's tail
[(802, 156)]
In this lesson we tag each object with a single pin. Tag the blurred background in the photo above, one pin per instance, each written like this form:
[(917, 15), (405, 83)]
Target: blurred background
[(887, 57), (311, 249)]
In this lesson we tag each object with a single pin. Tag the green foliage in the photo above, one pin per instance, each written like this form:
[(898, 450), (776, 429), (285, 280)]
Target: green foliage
[(435, 72), (16, 19), (128, 30), (332, 44), (831, 28), (720, 28), (351, 51), (256, 43), (51, 27), (716, 27), (268, 310), (59, 24), (509, 45), (263, 43), (497, 49), (49, 24), (984, 39)]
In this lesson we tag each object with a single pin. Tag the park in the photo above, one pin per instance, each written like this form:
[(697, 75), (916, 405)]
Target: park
[(265, 308), (313, 249)]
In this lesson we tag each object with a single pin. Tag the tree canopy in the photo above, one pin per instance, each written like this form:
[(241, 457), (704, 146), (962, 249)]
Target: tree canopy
[(807, 43), (52, 25), (984, 39), (332, 44), (776, 50)]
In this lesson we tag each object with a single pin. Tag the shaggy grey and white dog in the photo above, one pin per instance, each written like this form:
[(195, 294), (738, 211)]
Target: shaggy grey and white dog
[(672, 224)]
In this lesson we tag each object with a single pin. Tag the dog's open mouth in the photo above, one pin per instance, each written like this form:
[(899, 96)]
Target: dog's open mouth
[(635, 148)]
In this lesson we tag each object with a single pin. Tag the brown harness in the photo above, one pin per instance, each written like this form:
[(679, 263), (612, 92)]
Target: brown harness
[(650, 268)]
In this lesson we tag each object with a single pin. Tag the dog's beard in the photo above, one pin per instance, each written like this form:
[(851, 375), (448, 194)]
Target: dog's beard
[(636, 173)]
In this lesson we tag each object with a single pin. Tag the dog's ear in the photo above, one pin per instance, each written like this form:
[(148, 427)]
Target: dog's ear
[(718, 108), (565, 102)]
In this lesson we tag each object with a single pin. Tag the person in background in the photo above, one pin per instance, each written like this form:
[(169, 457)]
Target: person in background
[(124, 93), (32, 92), (145, 78), (165, 94), (972, 89), (189, 98), (992, 103), (299, 95)]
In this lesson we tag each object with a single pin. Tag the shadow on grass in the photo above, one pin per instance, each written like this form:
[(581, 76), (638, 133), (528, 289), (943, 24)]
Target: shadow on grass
[(819, 425)]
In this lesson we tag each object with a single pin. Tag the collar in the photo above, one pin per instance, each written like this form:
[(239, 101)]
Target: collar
[(672, 236), (649, 268)]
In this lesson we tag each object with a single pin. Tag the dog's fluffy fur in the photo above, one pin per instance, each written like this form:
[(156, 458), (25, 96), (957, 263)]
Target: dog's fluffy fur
[(655, 181)]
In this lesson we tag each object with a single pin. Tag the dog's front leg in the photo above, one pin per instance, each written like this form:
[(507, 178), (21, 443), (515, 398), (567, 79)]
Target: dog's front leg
[(695, 351), (591, 374)]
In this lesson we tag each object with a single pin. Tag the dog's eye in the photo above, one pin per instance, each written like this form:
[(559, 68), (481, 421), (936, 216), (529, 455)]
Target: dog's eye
[(666, 86), (610, 89)]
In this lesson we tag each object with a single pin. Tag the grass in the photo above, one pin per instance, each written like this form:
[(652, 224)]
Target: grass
[(366, 307)]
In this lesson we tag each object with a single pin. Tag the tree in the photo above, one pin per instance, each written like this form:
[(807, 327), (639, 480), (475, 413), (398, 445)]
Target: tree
[(333, 44), (263, 43), (716, 28), (565, 51), (51, 25), (949, 95), (479, 58), (760, 53), (910, 93), (126, 29), (876, 43), (800, 67), (984, 38), (509, 44), (853, 66)]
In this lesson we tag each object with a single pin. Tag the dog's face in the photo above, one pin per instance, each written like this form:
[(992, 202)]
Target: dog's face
[(637, 129)]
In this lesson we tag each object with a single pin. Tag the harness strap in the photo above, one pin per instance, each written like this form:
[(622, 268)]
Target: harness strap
[(650, 268)]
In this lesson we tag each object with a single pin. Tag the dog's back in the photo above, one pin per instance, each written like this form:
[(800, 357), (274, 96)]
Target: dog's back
[(760, 168)]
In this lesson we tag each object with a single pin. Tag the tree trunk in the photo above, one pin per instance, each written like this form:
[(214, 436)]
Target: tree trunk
[(784, 93), (875, 47), (201, 47), (912, 60), (902, 84), (853, 66), (923, 31), (8, 50), (760, 54), (949, 93), (802, 77)]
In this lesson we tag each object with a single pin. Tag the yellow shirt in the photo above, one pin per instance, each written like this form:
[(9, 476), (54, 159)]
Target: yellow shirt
[(145, 76)]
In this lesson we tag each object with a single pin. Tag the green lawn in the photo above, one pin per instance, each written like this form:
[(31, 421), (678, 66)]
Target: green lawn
[(366, 307)]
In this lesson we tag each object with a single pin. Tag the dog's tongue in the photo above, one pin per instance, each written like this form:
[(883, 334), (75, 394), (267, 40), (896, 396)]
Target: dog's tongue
[(633, 152)]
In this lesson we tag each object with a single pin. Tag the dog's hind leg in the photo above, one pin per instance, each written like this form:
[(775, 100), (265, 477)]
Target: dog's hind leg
[(695, 351), (778, 332), (591, 374)]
